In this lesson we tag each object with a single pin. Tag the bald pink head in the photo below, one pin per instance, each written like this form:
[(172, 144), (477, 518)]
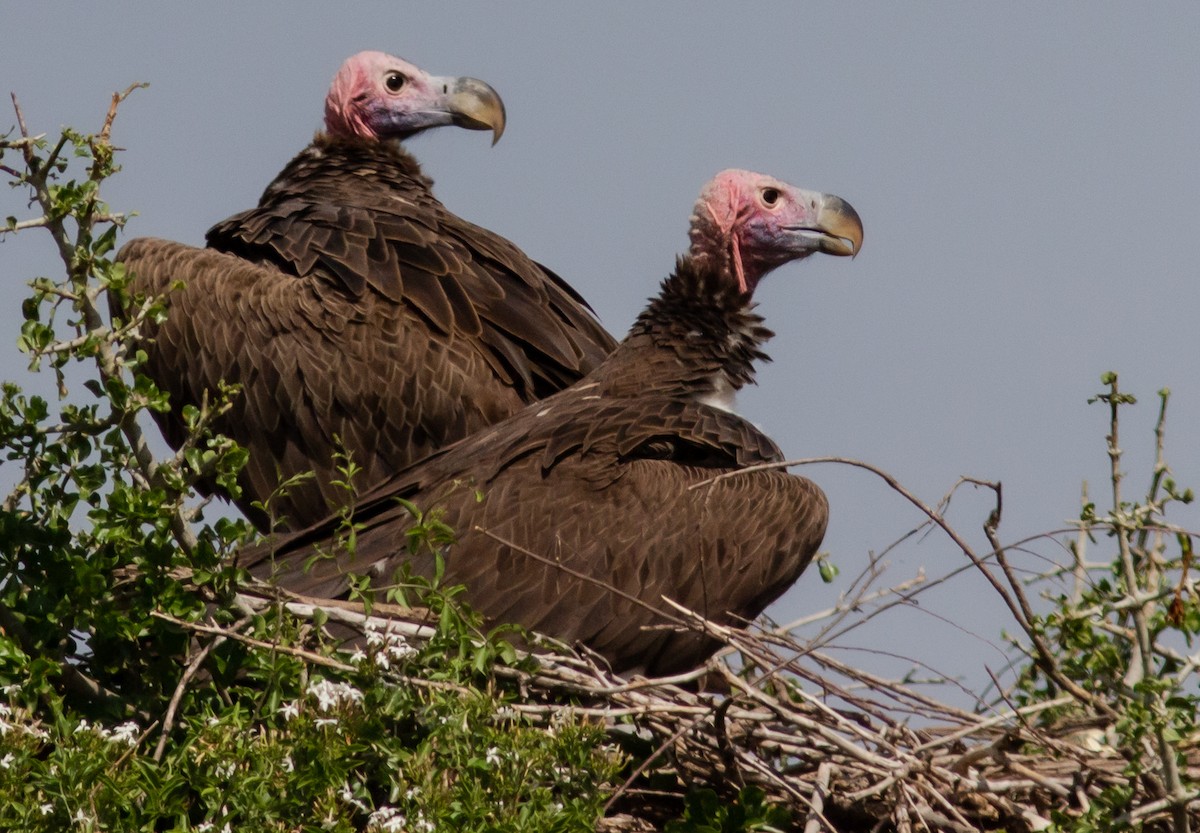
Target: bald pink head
[(379, 96), (748, 224)]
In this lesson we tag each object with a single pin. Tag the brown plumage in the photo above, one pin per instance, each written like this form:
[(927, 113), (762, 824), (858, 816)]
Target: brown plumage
[(353, 309), (607, 482)]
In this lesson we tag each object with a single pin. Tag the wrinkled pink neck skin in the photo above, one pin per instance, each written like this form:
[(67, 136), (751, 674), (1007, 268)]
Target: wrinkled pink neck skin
[(713, 233), (345, 115), (733, 232)]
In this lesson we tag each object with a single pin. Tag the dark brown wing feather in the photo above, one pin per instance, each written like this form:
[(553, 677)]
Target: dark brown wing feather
[(354, 310), (604, 489)]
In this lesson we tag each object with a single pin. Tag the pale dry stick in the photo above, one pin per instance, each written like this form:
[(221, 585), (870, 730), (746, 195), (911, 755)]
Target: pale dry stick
[(894, 692), (857, 598), (955, 818), (1059, 789), (1131, 601), (853, 597), (994, 720), (22, 225), (653, 756), (770, 776), (18, 144), (308, 656), (829, 735), (1043, 655), (168, 721), (1163, 651), (900, 817), (609, 712), (867, 705), (816, 812), (897, 487), (608, 688), (1151, 808), (128, 753), (299, 653), (847, 607)]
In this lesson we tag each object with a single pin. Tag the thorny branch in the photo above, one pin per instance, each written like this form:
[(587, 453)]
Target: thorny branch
[(86, 297)]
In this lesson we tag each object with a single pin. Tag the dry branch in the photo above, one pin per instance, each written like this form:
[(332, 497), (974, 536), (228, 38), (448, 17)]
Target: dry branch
[(786, 724)]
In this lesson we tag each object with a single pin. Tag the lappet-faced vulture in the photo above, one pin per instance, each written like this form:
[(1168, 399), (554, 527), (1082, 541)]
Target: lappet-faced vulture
[(353, 309), (601, 499)]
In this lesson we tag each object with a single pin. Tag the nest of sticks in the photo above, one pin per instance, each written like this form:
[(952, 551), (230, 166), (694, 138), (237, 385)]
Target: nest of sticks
[(846, 750), (842, 749)]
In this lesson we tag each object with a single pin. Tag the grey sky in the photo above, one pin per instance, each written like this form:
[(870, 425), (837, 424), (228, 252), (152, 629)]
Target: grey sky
[(1027, 175)]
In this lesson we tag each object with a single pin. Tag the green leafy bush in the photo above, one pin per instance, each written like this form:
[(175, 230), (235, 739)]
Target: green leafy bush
[(136, 691)]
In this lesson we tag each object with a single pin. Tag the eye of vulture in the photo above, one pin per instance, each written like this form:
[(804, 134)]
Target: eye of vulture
[(355, 310), (597, 480)]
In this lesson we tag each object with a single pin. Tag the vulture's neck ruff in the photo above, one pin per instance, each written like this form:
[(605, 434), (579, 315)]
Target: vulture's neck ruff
[(699, 337), (331, 161)]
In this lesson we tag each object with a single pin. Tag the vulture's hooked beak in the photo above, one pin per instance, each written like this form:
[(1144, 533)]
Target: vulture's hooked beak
[(837, 229), (475, 105)]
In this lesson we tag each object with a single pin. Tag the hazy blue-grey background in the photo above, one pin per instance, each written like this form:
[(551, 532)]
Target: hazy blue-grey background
[(1027, 174)]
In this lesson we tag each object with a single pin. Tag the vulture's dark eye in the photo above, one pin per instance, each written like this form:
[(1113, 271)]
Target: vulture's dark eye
[(770, 196), (394, 81)]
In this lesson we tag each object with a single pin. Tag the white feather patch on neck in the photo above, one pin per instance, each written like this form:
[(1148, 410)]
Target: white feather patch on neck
[(722, 396)]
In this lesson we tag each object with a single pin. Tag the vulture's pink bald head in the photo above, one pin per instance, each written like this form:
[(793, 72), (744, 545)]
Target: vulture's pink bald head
[(379, 96), (749, 224)]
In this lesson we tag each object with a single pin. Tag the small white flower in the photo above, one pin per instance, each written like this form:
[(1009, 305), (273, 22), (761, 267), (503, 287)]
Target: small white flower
[(5, 728), (290, 710), (348, 797), (11, 688), (7, 761), (411, 793), (505, 713), (83, 726), (126, 733), (398, 647), (204, 827), (5, 710), (492, 758), (358, 656), (79, 817), (46, 809), (288, 764), (323, 722), (331, 695), (387, 820)]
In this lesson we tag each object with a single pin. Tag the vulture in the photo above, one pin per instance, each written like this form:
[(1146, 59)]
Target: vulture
[(354, 310), (577, 515)]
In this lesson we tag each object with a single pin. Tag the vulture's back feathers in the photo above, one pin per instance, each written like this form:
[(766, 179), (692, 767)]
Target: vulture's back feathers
[(624, 485), (357, 312)]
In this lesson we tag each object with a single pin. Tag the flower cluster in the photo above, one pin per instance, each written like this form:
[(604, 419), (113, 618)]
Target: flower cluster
[(393, 820), (126, 733), (11, 719), (330, 697), (387, 646)]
